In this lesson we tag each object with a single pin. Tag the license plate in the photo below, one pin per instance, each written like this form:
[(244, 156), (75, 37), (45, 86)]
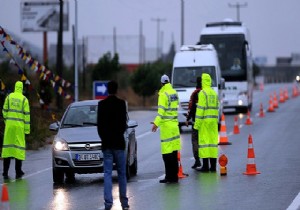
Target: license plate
[(83, 157)]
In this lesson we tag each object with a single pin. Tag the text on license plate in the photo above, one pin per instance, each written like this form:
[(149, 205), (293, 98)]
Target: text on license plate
[(82, 157)]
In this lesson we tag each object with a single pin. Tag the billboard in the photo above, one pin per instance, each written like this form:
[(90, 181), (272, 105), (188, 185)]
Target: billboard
[(43, 16)]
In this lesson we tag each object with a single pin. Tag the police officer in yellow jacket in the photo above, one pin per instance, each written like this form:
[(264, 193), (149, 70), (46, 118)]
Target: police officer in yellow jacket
[(169, 131), (16, 114), (206, 122)]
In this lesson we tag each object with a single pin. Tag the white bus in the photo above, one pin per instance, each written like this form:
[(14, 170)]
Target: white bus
[(232, 42)]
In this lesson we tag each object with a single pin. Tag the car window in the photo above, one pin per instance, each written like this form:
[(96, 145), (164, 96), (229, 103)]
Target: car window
[(81, 116)]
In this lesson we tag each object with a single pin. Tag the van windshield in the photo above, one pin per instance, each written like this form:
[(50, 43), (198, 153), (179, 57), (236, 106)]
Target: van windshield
[(187, 76)]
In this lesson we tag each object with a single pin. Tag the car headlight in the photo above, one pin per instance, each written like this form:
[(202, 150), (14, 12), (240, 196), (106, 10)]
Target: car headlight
[(60, 145), (298, 78)]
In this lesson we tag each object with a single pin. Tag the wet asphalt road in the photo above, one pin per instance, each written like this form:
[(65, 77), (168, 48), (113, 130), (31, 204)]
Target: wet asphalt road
[(276, 145)]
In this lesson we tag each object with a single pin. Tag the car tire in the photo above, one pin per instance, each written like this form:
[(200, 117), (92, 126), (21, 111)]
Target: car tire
[(134, 167), (128, 175), (58, 176), (70, 177)]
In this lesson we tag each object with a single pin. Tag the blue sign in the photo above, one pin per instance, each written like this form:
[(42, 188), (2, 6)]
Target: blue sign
[(100, 89)]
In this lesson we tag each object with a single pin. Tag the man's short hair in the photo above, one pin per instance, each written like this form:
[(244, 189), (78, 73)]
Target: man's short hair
[(112, 87)]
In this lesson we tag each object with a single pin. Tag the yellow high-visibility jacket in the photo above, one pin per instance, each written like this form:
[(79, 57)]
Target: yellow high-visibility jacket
[(16, 114), (167, 119), (206, 120)]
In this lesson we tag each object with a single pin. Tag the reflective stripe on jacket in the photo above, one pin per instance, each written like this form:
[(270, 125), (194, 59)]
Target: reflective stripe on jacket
[(16, 114), (167, 119), (206, 121)]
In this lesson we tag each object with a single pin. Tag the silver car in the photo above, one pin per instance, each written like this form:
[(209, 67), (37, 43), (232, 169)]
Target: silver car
[(76, 147)]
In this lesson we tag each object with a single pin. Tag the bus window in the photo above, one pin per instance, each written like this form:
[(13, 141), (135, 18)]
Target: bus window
[(231, 51)]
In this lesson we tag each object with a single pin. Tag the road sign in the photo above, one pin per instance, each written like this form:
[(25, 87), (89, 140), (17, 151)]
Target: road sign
[(100, 89)]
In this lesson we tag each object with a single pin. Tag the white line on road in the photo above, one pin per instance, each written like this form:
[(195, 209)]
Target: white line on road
[(144, 134), (29, 175), (295, 205)]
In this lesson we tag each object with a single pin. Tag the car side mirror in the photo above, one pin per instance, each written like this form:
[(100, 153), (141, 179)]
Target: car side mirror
[(54, 126), (132, 124)]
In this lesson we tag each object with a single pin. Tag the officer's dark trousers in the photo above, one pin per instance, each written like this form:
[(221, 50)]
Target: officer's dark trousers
[(6, 164), (171, 166)]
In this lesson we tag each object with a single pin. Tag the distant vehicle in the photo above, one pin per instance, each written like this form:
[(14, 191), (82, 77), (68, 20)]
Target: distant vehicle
[(77, 147), (189, 63), (232, 42)]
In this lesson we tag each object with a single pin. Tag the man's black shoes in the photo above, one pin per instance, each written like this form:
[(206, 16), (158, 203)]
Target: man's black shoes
[(197, 164), (203, 169), (166, 181)]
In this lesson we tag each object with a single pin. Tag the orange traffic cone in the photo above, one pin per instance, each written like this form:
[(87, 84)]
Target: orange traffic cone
[(248, 120), (281, 96), (180, 170), (295, 92), (275, 101), (236, 128), (271, 107), (251, 166), (286, 94), (223, 139), (261, 111), (4, 198)]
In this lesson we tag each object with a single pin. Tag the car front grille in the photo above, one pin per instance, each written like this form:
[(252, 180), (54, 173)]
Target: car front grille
[(85, 147), (88, 163)]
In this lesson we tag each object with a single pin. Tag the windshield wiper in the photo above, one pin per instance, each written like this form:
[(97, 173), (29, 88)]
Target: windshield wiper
[(71, 125), (89, 123)]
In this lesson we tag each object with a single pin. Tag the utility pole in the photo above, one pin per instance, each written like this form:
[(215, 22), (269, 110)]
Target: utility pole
[(158, 20), (59, 54), (238, 6), (182, 22)]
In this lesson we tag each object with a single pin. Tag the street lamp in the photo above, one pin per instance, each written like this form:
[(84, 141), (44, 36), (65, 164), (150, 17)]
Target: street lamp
[(76, 53)]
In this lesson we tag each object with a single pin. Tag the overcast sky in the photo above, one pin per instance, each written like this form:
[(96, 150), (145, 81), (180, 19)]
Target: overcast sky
[(274, 25)]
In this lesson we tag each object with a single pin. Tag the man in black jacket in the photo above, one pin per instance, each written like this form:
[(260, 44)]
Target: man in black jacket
[(112, 123)]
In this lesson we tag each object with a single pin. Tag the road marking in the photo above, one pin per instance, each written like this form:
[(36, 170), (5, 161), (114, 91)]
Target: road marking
[(29, 175), (144, 134), (295, 205)]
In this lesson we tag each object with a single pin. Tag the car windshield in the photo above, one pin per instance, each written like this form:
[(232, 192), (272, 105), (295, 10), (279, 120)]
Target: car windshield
[(186, 76), (80, 116)]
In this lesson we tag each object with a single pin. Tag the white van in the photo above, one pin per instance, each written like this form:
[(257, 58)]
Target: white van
[(189, 63)]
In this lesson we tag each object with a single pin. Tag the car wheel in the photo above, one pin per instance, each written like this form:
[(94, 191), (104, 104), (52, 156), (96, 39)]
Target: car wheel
[(70, 177), (58, 176), (128, 175), (134, 166)]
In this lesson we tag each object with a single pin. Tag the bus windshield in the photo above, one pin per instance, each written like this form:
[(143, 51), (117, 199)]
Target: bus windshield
[(231, 53), (187, 76)]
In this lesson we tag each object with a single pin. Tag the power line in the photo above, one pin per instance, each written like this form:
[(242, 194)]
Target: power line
[(238, 6)]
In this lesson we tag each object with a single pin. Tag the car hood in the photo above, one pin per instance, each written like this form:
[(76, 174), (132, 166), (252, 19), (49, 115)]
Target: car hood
[(79, 134)]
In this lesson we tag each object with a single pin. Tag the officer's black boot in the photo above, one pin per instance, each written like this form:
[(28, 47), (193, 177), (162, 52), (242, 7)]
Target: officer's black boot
[(205, 167), (6, 163), (18, 168), (213, 164)]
